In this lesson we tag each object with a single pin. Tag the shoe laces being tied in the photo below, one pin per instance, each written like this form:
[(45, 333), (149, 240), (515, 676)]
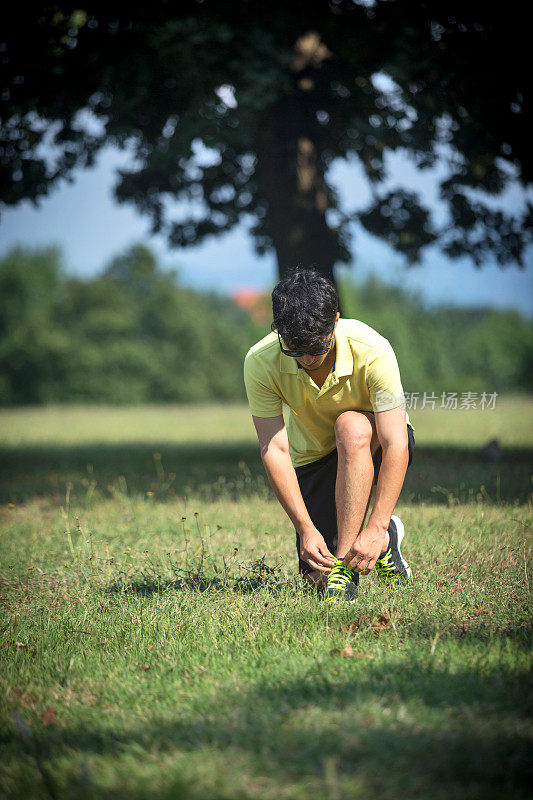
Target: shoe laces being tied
[(386, 565), (339, 576)]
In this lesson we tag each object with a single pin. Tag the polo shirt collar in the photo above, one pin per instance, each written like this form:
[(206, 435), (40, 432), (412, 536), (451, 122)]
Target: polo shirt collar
[(287, 364), (344, 355)]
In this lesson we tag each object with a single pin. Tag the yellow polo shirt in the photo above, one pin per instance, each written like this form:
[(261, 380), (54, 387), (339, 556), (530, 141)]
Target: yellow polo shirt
[(365, 377)]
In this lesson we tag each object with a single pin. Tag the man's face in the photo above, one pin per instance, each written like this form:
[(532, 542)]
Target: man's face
[(313, 363)]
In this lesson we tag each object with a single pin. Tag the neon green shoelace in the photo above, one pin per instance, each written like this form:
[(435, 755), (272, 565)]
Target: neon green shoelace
[(339, 577), (386, 564)]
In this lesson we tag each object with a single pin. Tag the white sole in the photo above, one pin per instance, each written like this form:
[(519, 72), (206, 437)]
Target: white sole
[(401, 533)]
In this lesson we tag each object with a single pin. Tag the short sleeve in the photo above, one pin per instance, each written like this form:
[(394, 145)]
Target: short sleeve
[(264, 401), (384, 382)]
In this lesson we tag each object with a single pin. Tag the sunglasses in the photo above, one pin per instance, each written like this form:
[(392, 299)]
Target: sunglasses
[(298, 354)]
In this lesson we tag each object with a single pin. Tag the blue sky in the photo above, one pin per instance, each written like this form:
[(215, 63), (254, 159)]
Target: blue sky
[(90, 228)]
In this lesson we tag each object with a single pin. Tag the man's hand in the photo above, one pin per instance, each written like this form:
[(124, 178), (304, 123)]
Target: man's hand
[(314, 550), (367, 548)]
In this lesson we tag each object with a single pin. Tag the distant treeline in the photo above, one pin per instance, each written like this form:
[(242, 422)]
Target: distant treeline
[(132, 334), (128, 335)]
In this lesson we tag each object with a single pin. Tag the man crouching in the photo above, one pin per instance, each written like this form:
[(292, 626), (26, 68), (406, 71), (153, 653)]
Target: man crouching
[(347, 430)]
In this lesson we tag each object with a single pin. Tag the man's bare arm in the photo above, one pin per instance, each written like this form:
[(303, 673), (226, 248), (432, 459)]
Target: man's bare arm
[(274, 445), (391, 428)]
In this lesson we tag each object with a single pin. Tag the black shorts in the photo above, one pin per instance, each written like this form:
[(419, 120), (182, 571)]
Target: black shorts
[(317, 485)]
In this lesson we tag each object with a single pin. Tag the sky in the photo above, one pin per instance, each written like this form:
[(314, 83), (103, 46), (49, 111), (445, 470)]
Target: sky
[(91, 228)]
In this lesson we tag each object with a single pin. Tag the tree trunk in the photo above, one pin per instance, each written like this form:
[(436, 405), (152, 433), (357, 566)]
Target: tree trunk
[(290, 179)]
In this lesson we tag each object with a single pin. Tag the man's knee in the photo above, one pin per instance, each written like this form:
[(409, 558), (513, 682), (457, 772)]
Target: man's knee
[(353, 431)]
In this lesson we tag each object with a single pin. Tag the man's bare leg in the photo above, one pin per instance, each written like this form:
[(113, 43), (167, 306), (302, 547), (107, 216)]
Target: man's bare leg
[(356, 441), (356, 437)]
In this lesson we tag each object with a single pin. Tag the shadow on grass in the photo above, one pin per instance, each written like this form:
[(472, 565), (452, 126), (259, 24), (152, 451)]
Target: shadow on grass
[(251, 577), (233, 471), (362, 722)]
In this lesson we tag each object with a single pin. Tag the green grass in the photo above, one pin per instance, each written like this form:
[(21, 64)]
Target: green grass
[(157, 643)]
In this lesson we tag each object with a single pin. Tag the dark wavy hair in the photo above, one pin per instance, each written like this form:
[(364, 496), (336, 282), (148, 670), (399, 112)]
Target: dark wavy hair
[(304, 306)]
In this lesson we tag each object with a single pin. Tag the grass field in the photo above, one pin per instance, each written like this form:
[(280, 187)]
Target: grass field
[(156, 642)]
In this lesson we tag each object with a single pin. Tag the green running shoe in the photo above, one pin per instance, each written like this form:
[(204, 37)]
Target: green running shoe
[(393, 564), (341, 586)]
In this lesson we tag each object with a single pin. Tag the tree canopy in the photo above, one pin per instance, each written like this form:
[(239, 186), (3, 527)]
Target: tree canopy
[(239, 108)]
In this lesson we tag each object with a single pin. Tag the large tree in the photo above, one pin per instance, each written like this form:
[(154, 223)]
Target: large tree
[(276, 92)]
